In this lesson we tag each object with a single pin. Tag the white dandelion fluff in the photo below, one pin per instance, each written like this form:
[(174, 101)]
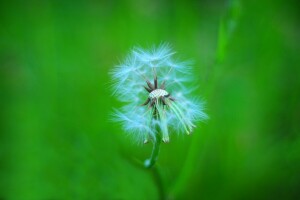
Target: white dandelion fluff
[(158, 102)]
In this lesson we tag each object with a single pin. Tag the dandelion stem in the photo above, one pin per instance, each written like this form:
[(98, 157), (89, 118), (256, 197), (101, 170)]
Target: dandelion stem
[(152, 160)]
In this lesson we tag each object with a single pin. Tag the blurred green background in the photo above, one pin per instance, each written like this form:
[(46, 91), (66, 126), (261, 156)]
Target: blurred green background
[(57, 140)]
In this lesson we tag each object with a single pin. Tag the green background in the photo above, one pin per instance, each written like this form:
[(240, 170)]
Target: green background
[(57, 140)]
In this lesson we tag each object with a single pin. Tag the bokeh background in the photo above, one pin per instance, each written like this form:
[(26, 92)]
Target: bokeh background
[(57, 140)]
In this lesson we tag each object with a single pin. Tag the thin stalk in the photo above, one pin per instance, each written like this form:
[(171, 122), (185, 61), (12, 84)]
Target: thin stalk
[(155, 151)]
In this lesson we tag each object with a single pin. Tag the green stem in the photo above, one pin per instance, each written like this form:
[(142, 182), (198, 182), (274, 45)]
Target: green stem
[(152, 160)]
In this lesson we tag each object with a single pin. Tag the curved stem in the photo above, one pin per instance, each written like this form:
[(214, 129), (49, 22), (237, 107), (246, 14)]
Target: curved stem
[(152, 160), (159, 182), (154, 171)]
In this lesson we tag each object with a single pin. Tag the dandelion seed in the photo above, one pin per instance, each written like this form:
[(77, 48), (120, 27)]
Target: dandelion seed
[(152, 84)]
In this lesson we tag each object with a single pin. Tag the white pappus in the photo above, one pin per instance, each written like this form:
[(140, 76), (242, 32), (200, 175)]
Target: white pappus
[(153, 86)]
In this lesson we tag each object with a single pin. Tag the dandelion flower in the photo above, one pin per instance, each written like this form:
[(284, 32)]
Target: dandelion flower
[(153, 86)]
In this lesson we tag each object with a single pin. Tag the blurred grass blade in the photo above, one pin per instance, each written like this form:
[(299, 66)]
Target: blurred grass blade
[(227, 26)]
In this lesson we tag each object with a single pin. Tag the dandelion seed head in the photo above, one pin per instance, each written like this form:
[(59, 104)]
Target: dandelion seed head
[(152, 83)]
